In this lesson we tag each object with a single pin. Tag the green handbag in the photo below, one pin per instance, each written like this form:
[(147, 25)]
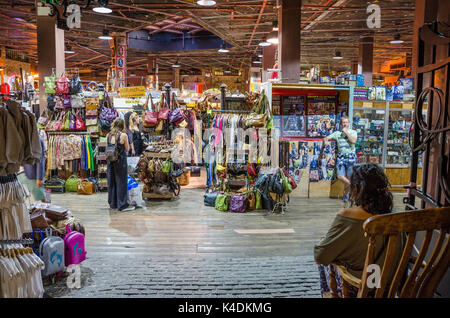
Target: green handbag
[(67, 121), (166, 166), (222, 202), (50, 83), (72, 183), (287, 187), (258, 205)]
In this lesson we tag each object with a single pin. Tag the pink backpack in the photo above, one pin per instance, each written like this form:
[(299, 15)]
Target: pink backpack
[(75, 251)]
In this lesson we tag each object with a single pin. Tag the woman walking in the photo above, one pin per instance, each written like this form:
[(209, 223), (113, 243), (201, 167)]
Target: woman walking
[(117, 169)]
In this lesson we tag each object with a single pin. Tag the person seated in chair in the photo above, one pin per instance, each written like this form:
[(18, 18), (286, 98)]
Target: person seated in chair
[(345, 242)]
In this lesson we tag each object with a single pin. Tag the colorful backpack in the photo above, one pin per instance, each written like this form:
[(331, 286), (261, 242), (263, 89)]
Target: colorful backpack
[(51, 252), (75, 251)]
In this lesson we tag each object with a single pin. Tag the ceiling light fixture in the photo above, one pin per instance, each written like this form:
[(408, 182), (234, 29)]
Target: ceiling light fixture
[(265, 43), (273, 37), (206, 3), (260, 55), (396, 40), (102, 7), (227, 71), (275, 26), (223, 49), (337, 56), (257, 62), (68, 49), (176, 65), (105, 35)]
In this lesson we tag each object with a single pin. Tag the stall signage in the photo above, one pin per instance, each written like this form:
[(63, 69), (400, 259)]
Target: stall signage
[(131, 92)]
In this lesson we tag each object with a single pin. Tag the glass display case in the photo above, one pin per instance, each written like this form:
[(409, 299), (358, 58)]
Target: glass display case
[(369, 123), (398, 149)]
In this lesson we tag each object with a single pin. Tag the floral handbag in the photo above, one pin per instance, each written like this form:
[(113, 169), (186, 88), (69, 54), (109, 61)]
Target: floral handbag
[(79, 122)]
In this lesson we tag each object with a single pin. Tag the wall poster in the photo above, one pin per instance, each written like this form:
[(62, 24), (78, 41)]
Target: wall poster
[(293, 118), (321, 115)]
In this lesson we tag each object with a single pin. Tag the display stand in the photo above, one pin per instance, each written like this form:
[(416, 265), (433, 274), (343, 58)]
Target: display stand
[(384, 137), (151, 195)]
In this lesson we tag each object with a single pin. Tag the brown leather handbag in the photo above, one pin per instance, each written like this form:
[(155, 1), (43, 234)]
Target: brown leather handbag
[(251, 200), (38, 220), (85, 187)]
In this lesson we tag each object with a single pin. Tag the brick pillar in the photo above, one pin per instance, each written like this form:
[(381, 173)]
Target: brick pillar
[(289, 19), (365, 61), (50, 42)]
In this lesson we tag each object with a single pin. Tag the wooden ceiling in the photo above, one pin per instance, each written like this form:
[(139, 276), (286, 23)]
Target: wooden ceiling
[(327, 26)]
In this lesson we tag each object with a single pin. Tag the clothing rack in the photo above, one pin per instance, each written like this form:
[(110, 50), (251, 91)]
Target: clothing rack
[(231, 111), (7, 179), (81, 133), (26, 241)]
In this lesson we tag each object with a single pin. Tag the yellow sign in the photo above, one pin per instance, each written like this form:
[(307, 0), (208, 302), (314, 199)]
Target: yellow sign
[(133, 91)]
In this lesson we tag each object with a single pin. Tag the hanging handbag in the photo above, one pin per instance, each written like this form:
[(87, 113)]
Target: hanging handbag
[(291, 180), (51, 103), (166, 166), (251, 170), (58, 103), (75, 85), (44, 118), (237, 203), (105, 125), (222, 202), (66, 121), (85, 187), (62, 85), (175, 116), (67, 102), (73, 122), (91, 122), (163, 113), (150, 119), (91, 114), (91, 104), (77, 101), (72, 183), (107, 112), (93, 129), (287, 187), (258, 201), (50, 84), (80, 124), (275, 185)]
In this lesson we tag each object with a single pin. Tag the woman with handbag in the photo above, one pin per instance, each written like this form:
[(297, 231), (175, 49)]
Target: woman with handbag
[(117, 171)]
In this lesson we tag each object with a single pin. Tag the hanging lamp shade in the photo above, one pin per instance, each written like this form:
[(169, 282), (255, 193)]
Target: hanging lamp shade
[(102, 7), (337, 56), (273, 37), (206, 3), (105, 35), (396, 40)]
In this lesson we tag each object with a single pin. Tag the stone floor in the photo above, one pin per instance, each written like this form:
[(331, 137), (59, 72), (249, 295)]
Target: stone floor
[(180, 248)]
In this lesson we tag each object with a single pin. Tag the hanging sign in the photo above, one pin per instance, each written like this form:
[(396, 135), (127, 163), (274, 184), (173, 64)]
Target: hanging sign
[(131, 92)]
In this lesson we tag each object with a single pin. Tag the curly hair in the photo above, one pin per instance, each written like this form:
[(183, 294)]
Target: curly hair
[(369, 189)]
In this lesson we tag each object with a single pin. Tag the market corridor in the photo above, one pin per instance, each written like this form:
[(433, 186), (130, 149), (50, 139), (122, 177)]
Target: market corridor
[(181, 248)]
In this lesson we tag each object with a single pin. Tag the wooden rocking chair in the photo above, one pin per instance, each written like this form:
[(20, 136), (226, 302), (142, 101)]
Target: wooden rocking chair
[(423, 279)]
